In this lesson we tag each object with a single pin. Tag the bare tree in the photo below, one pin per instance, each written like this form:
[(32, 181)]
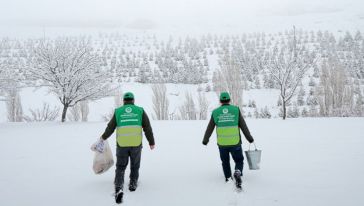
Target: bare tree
[(44, 114), (13, 105), (203, 105), (160, 101), (288, 67), (84, 110), (229, 79), (10, 82), (71, 70), (335, 95), (118, 95), (74, 114), (359, 105), (188, 109), (79, 111)]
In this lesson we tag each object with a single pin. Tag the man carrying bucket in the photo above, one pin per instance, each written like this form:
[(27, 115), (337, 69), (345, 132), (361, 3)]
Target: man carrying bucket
[(228, 119)]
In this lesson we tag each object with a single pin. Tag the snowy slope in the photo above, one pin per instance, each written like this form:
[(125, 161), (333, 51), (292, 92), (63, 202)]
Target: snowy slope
[(304, 162)]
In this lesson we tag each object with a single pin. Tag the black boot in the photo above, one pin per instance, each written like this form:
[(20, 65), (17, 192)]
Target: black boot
[(119, 196), (237, 177), (133, 185)]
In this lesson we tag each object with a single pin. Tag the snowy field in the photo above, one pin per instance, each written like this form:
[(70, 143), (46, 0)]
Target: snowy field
[(304, 162)]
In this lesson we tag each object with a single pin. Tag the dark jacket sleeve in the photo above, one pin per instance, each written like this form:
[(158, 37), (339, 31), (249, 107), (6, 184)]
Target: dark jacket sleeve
[(110, 128), (210, 128), (245, 129), (147, 128)]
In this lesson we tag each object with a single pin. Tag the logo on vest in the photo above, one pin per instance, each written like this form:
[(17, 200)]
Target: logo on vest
[(225, 111), (128, 110)]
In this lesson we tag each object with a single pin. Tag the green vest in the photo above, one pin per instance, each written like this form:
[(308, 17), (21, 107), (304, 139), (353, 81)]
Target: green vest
[(226, 119), (129, 125)]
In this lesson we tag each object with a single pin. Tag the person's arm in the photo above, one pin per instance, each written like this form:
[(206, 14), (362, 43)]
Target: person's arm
[(147, 128), (245, 129), (210, 128), (110, 128)]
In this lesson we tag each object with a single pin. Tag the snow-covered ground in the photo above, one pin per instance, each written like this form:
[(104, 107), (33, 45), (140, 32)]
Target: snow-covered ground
[(304, 162)]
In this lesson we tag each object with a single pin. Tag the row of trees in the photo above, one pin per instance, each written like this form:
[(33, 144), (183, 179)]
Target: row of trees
[(77, 71), (148, 60), (188, 110), (337, 68), (286, 65), (10, 82)]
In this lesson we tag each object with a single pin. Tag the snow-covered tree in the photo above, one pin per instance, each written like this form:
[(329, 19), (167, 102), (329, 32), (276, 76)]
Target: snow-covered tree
[(256, 113), (312, 82), (293, 112), (257, 82), (10, 79), (335, 95), (268, 81), (208, 88), (265, 113), (71, 70), (118, 97), (300, 97), (359, 106), (304, 112), (203, 105), (252, 104), (84, 110), (288, 68), (188, 109), (74, 114), (228, 78), (316, 72), (14, 107), (79, 111), (118, 102), (160, 101)]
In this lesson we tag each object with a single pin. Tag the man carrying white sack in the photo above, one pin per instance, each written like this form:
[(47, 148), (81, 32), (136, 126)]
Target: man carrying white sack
[(129, 120)]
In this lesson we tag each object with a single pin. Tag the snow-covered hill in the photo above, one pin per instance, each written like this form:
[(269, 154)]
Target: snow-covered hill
[(180, 62), (304, 162)]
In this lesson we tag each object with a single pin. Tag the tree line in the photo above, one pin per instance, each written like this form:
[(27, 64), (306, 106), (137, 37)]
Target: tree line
[(317, 73)]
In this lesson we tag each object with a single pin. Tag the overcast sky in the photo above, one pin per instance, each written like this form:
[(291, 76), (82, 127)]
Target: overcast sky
[(79, 11), (24, 18)]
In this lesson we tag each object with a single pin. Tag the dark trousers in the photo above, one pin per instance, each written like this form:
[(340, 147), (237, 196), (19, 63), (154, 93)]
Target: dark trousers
[(237, 155), (122, 159)]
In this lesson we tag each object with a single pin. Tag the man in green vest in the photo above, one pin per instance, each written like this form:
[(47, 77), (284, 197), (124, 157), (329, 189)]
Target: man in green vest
[(228, 121), (129, 120)]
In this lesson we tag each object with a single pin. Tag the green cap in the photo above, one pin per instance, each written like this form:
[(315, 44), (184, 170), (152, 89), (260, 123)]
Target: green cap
[(128, 96), (224, 96)]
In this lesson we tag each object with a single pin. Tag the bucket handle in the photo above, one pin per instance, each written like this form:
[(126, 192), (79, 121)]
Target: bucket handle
[(254, 146)]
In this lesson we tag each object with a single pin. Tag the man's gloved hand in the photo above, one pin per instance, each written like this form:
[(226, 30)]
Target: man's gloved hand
[(98, 146)]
